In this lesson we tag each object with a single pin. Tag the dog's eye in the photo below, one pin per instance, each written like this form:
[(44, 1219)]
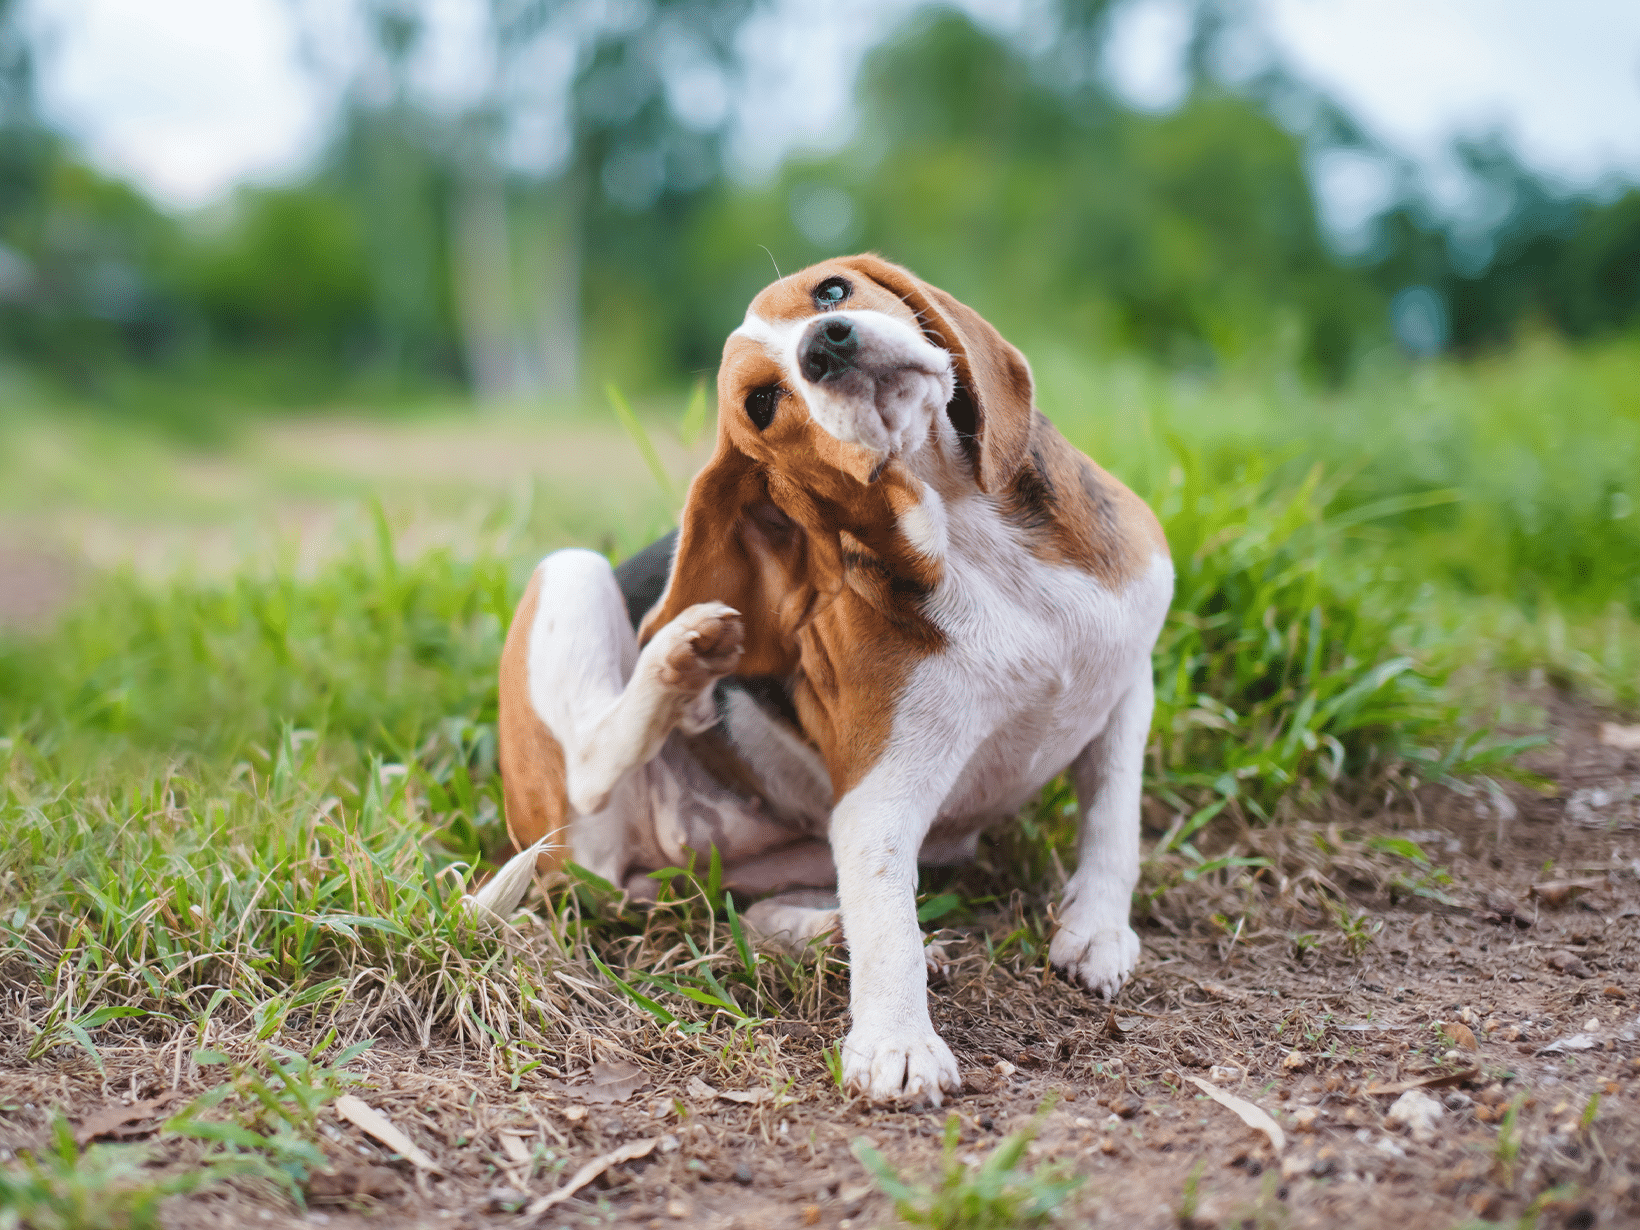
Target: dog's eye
[(761, 403), (831, 292)]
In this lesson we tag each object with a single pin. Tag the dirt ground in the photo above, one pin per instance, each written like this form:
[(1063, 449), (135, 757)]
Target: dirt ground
[(1504, 995)]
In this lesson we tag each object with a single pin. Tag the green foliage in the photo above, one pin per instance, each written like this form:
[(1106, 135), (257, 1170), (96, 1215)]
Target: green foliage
[(371, 655), (271, 1128), (103, 1187), (411, 257), (997, 1194), (58, 1028), (274, 890), (1274, 672), (290, 273)]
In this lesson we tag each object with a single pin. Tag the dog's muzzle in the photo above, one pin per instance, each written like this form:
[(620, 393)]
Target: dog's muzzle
[(873, 381), (828, 350)]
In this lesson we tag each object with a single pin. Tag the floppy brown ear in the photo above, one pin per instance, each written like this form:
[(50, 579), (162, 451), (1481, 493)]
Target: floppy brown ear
[(995, 395), (737, 547)]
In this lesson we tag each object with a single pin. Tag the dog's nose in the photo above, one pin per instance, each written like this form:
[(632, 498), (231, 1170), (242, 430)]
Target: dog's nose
[(828, 349)]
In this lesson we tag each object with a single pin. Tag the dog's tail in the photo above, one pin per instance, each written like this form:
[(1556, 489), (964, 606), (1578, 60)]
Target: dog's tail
[(499, 898)]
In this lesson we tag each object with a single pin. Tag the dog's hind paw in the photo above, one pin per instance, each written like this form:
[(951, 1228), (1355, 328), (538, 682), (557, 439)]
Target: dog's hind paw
[(1101, 961), (700, 646)]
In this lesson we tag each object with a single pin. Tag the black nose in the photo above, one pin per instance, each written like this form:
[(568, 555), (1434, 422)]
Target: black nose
[(828, 350)]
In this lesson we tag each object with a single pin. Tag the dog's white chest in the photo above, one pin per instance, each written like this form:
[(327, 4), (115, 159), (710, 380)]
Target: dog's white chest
[(1037, 655)]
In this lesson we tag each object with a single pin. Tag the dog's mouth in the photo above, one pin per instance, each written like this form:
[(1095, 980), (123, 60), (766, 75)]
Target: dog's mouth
[(874, 382)]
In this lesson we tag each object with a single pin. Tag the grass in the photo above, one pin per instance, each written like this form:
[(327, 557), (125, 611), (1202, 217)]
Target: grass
[(241, 808), (103, 1187), (994, 1194)]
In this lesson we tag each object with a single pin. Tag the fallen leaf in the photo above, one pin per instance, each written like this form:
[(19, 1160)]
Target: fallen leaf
[(373, 1123), (1367, 1027), (1249, 1114), (1429, 1080), (1567, 963), (747, 1097), (589, 1172), (1461, 1035), (613, 1082), (697, 1088), (1576, 1042), (346, 1183), (126, 1122), (1503, 909), (515, 1149), (614, 1071), (1555, 893), (1624, 737), (979, 1080)]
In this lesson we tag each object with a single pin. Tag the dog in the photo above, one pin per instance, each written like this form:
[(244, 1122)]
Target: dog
[(897, 604)]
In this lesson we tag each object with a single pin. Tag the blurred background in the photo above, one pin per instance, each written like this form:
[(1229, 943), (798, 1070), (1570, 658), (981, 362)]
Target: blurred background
[(265, 261)]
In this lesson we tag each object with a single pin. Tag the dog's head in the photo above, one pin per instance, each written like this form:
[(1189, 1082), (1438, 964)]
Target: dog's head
[(851, 364), (837, 379)]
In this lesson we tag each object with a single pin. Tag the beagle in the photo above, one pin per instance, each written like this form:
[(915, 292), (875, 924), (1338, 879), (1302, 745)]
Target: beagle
[(898, 603)]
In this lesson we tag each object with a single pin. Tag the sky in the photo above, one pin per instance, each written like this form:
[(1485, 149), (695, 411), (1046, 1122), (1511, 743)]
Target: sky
[(191, 97)]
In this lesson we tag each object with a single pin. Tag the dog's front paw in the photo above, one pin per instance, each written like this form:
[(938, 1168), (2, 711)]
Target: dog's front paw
[(905, 1064), (1101, 961), (700, 646)]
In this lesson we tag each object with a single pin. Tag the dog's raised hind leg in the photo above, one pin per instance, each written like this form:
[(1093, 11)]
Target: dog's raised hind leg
[(610, 706), (581, 707)]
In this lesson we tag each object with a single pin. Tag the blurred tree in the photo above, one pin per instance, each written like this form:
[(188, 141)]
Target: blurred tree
[(577, 208), (1192, 236), (1522, 250), (648, 110), (291, 274), (84, 260)]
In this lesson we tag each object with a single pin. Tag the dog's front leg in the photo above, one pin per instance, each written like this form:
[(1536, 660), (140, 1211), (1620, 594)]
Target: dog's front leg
[(1094, 944), (891, 1051)]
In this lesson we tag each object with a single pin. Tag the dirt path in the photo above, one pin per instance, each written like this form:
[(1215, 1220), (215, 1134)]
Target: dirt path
[(300, 491), (1498, 996), (34, 585)]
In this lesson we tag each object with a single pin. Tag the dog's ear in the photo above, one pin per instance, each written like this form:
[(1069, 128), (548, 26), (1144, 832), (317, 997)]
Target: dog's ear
[(736, 546), (993, 406)]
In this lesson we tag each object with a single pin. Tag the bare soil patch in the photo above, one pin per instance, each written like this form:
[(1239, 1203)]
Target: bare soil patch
[(1499, 993), (34, 585)]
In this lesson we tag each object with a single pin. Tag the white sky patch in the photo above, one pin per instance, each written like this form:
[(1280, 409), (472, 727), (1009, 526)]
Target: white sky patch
[(1561, 79), (1351, 188), (1145, 55), (189, 97), (186, 97)]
